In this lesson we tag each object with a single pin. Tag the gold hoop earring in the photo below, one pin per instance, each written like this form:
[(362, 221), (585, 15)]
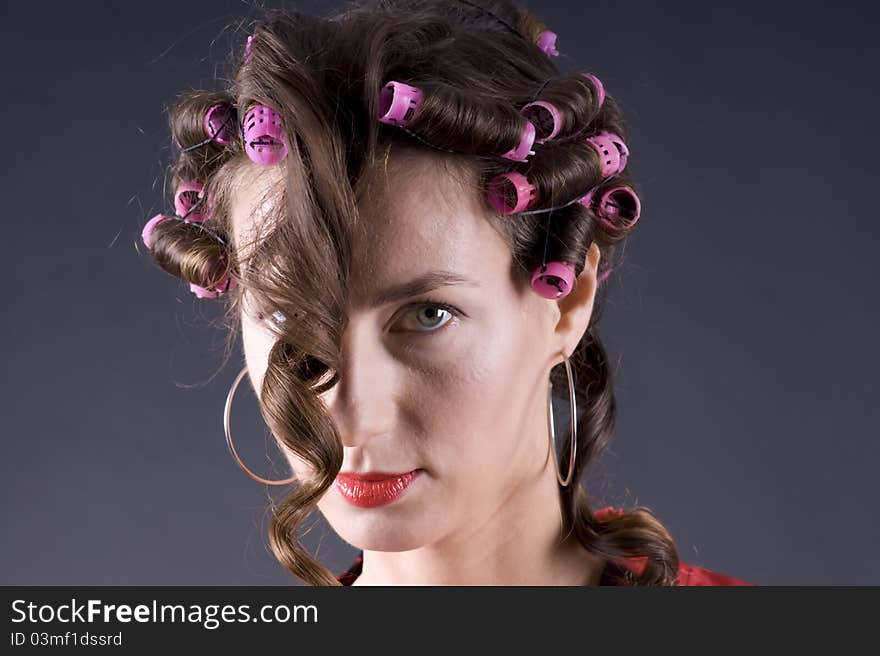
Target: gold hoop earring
[(573, 402), (231, 446)]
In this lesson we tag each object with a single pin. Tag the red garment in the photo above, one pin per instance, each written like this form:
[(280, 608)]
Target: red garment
[(688, 575)]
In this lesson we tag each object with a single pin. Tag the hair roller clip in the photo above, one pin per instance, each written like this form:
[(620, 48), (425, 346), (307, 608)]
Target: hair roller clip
[(553, 280), (619, 202), (264, 140), (524, 149), (188, 194), (546, 118), (147, 232), (598, 87), (546, 41), (511, 192), (218, 123), (608, 145), (398, 103)]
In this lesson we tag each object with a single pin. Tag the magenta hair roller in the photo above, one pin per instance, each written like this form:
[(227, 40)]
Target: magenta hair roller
[(398, 103), (247, 48), (546, 118), (218, 123), (264, 140), (587, 200), (619, 202), (511, 192), (621, 148), (185, 198), (598, 87), (547, 42), (201, 292), (224, 285), (524, 149), (611, 151), (147, 232), (553, 280)]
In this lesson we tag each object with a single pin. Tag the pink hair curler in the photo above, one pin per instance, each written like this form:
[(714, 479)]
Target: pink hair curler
[(201, 292), (546, 118), (587, 200), (621, 148), (187, 195), (511, 192), (224, 285), (619, 202), (398, 103), (218, 123), (264, 140), (247, 48), (524, 149), (547, 42), (598, 87), (147, 232), (553, 280), (608, 146)]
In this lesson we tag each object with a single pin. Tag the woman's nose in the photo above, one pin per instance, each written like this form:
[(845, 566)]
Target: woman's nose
[(361, 403)]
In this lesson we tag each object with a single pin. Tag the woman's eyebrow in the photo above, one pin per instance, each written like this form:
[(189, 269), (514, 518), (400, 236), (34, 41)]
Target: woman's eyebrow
[(422, 284)]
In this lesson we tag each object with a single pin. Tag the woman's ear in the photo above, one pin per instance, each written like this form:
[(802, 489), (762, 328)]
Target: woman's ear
[(576, 308)]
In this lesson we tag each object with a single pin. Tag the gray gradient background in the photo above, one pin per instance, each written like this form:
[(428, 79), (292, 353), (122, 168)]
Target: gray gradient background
[(741, 325)]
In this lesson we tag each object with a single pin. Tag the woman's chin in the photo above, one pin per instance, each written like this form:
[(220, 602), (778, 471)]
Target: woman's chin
[(398, 526), (391, 543), (378, 534)]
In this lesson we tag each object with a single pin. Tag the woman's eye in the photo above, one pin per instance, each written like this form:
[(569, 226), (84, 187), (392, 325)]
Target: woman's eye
[(429, 317)]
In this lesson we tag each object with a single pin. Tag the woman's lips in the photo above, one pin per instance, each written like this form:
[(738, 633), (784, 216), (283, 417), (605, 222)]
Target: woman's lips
[(373, 488)]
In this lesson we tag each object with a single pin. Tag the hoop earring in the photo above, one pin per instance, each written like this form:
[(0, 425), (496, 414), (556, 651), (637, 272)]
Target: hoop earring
[(573, 402), (231, 446)]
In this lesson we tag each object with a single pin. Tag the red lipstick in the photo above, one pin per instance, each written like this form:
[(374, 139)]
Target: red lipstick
[(373, 488)]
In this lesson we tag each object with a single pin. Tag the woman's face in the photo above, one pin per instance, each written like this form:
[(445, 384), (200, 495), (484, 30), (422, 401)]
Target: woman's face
[(451, 381)]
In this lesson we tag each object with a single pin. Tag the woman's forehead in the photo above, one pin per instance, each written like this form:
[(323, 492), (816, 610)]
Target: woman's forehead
[(253, 202), (413, 217), (426, 218), (415, 235)]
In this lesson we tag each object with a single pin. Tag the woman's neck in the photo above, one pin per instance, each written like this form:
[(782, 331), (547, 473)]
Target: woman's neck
[(519, 544)]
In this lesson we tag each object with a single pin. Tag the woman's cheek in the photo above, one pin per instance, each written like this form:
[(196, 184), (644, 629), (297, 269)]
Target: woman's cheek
[(258, 341)]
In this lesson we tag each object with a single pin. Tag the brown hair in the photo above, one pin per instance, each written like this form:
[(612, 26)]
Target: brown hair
[(477, 64)]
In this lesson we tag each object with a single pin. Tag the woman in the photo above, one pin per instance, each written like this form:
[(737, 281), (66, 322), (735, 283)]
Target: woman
[(412, 212)]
